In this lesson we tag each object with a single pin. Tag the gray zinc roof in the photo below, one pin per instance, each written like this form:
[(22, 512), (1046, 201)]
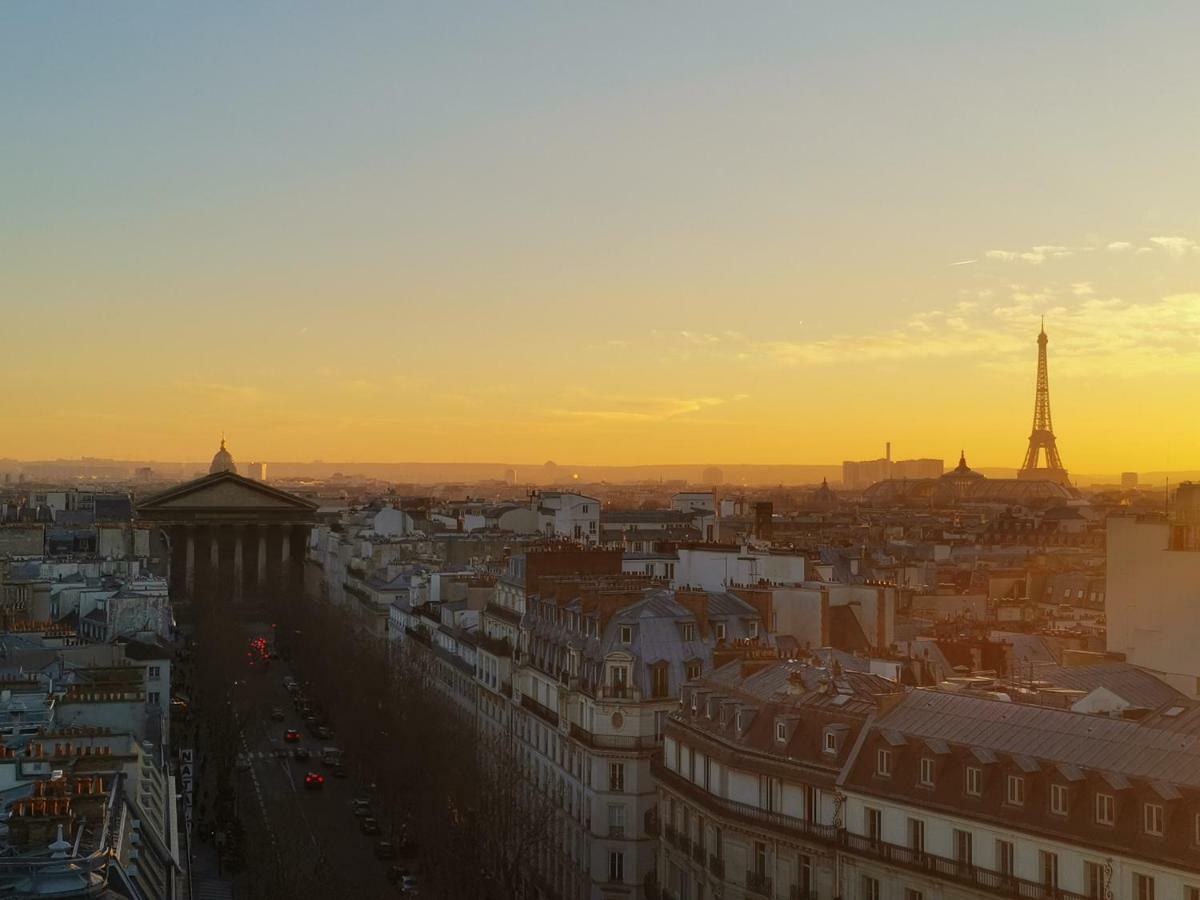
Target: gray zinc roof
[(1117, 746)]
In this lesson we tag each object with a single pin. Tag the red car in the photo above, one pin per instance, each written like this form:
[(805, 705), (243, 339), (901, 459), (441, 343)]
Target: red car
[(292, 736), (314, 781)]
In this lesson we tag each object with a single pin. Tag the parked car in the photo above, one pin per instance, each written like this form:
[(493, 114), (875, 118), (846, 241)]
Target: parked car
[(301, 753), (408, 884), (340, 771), (324, 732), (292, 736), (277, 713), (314, 781), (385, 850), (361, 808), (368, 825)]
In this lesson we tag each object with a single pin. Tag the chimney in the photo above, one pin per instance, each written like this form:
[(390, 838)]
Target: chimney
[(889, 451), (881, 605), (826, 625)]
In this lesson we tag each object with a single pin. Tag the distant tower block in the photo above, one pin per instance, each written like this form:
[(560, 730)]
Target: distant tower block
[(712, 475), (510, 476), (1129, 480), (1041, 439)]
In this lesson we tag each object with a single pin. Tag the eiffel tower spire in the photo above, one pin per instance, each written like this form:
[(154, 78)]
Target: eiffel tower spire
[(1041, 439)]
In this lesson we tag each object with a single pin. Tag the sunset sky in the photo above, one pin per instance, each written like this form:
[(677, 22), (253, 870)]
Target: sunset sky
[(599, 233)]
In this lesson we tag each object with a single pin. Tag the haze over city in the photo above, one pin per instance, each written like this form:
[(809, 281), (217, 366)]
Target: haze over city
[(614, 235)]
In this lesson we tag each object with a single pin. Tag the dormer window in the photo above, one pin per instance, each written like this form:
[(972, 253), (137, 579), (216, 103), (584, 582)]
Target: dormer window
[(1106, 809), (1152, 819), (1016, 790), (626, 634), (926, 771), (974, 781), (689, 631), (829, 741), (781, 732), (737, 723), (693, 670), (719, 631), (1058, 799), (883, 763), (754, 629)]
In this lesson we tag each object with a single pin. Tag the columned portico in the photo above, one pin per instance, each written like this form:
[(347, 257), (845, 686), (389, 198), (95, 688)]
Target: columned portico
[(240, 540)]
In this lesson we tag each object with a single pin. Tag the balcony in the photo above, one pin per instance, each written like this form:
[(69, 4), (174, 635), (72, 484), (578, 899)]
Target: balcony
[(758, 883), (543, 712), (795, 892), (496, 646), (616, 692), (949, 870), (671, 833), (614, 741), (698, 854), (953, 870), (716, 865), (743, 811)]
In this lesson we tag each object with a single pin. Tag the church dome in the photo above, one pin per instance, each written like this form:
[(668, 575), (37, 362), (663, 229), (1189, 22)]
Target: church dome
[(963, 472), (222, 461)]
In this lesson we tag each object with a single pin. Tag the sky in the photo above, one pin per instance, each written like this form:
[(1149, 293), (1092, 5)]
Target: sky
[(612, 233)]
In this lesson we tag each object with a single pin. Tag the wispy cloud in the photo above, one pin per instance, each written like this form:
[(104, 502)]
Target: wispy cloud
[(630, 409), (1035, 255), (962, 262), (1175, 245), (1118, 246)]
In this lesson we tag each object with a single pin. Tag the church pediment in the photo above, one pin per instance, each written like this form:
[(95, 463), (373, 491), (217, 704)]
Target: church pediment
[(225, 491)]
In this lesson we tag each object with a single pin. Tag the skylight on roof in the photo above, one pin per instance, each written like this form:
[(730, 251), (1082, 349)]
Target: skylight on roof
[(1173, 711)]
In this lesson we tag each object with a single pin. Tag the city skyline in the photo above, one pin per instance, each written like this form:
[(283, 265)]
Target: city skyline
[(704, 237)]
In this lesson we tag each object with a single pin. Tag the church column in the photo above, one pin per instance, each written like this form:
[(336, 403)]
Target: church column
[(261, 561), (189, 569), (285, 547), (238, 560)]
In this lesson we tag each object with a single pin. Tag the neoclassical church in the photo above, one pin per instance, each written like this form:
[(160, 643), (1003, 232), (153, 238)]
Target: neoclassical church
[(229, 537), (964, 485)]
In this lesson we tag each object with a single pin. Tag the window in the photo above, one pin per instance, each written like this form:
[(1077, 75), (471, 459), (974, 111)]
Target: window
[(1058, 799), (626, 634), (974, 781), (804, 873), (1004, 858), (883, 763), (870, 888), (616, 820), (873, 823), (719, 631), (153, 672), (781, 732), (812, 802), (913, 894), (1191, 893), (964, 848), (753, 629), (1152, 819), (830, 742), (616, 865), (1016, 790), (1093, 880), (760, 859), (1143, 887), (1049, 868), (1105, 809), (926, 771), (689, 631), (616, 777), (916, 836), (693, 671), (153, 698), (659, 680)]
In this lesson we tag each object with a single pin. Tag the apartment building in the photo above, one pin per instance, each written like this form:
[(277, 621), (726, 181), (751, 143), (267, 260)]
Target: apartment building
[(598, 671), (748, 799)]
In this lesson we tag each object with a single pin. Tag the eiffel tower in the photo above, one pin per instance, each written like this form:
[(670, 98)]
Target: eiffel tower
[(1041, 439)]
